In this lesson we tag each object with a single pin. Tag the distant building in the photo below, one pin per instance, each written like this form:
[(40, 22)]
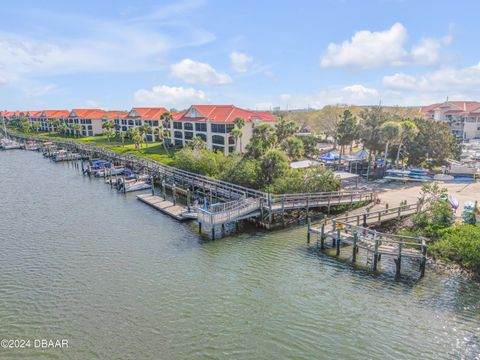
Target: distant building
[(214, 124), (141, 116), (462, 116)]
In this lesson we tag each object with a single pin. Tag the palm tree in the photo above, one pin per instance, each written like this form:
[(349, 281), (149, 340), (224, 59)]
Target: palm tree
[(77, 128), (35, 126), (197, 143), (390, 132), (147, 129), (54, 123), (122, 136), (108, 126), (408, 130), (239, 124), (165, 119), (62, 129), (237, 134)]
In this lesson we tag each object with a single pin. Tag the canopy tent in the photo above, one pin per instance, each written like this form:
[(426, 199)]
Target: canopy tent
[(361, 154), (331, 156)]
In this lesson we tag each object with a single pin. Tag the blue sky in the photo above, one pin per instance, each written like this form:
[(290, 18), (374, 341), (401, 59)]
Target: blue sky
[(256, 54)]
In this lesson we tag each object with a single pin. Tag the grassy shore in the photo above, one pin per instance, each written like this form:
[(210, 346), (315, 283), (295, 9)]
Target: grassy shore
[(151, 150)]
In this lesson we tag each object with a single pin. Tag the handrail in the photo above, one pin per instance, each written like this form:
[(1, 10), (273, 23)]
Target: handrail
[(223, 187)]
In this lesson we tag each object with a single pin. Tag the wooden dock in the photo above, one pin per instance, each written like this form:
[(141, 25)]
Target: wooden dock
[(376, 244), (177, 212)]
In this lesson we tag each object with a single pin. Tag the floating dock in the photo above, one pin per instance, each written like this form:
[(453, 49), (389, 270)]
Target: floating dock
[(178, 212)]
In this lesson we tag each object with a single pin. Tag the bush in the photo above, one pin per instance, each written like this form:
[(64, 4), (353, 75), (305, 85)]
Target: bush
[(241, 171), (314, 179), (460, 244), (202, 162)]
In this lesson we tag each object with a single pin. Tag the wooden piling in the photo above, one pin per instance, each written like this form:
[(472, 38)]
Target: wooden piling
[(398, 262), (339, 239), (322, 237), (354, 250), (375, 255)]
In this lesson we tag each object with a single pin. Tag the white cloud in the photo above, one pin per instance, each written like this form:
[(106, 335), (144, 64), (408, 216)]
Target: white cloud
[(442, 80), (352, 94), (195, 72), (240, 62), (101, 45), (368, 49), (169, 96)]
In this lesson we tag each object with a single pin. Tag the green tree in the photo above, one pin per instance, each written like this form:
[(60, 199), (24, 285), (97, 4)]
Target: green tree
[(109, 127), (146, 129), (285, 128), (197, 143), (293, 146), (77, 129), (237, 132), (53, 124), (273, 165), (62, 129), (314, 179), (408, 131), (35, 126), (263, 139), (165, 120), (433, 142), (390, 132), (309, 144), (347, 131), (122, 136)]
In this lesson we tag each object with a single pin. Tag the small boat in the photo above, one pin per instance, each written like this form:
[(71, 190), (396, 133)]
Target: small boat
[(7, 144), (132, 185), (110, 172), (64, 155), (443, 177)]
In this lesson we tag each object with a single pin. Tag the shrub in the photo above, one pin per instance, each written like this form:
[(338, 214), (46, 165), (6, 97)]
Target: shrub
[(460, 244)]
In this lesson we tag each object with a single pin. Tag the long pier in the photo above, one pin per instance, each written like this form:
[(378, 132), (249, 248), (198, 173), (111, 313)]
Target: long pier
[(354, 230), (223, 202)]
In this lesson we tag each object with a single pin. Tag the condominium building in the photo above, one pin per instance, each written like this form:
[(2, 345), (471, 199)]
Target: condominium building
[(214, 124), (91, 120), (46, 118), (462, 116), (141, 116)]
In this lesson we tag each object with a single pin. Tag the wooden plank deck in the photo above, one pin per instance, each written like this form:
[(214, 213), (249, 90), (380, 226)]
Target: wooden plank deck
[(177, 212)]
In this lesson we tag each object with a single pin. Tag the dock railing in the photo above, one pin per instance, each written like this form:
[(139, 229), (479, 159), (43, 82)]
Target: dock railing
[(227, 212)]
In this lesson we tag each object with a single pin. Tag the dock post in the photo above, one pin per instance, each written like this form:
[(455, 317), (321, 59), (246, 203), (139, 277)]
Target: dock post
[(174, 192), (398, 262), (188, 199), (365, 220), (354, 251), (308, 232), (283, 211), (223, 230), (339, 238), (423, 262), (152, 181), (322, 237), (375, 255), (213, 232), (199, 227)]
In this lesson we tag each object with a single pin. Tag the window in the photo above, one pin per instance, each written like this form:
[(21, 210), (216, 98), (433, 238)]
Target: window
[(188, 135), (217, 148), (217, 139), (130, 122), (230, 128), (178, 142), (231, 149), (155, 123), (201, 127), (188, 126), (138, 122), (218, 128), (202, 136), (178, 134), (231, 140), (177, 125), (88, 121)]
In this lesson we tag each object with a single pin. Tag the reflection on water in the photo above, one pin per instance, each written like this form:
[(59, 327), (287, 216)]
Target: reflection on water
[(121, 280)]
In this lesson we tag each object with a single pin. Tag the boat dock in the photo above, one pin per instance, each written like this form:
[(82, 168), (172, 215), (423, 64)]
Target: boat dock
[(177, 212), (354, 231)]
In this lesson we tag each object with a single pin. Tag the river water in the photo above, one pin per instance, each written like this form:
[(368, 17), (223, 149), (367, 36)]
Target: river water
[(119, 280)]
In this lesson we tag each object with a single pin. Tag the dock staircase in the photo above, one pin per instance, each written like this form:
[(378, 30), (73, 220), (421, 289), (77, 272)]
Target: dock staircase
[(217, 214)]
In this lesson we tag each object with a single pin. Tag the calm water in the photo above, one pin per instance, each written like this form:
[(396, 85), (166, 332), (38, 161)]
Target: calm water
[(120, 280)]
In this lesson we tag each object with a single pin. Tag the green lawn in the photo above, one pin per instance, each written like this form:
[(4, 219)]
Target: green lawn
[(151, 150)]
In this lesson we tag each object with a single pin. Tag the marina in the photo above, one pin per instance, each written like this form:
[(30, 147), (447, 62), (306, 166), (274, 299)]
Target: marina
[(171, 287)]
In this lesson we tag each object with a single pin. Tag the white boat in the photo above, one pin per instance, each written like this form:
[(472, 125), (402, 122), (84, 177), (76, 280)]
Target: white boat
[(110, 172), (64, 155), (132, 185), (7, 144)]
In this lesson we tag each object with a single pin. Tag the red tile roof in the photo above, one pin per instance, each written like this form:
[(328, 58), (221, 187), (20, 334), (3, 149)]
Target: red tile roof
[(465, 107), (89, 113), (115, 114), (150, 113), (228, 113), (35, 114), (51, 114)]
